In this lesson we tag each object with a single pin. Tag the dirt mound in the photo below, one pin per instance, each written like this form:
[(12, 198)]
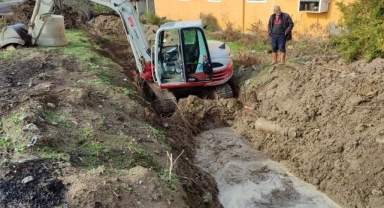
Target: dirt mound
[(22, 13), (137, 187), (337, 111), (202, 114), (32, 184)]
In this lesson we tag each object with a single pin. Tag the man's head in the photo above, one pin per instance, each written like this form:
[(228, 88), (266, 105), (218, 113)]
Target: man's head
[(277, 10)]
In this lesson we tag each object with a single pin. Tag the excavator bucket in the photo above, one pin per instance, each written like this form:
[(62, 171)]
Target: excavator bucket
[(45, 28), (15, 34)]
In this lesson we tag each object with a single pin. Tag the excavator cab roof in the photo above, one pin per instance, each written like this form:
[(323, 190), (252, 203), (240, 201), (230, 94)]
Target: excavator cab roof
[(182, 24)]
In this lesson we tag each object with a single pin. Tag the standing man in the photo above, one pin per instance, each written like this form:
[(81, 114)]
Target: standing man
[(280, 27)]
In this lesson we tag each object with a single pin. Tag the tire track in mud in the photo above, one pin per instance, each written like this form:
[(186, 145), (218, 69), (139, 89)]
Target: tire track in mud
[(246, 178)]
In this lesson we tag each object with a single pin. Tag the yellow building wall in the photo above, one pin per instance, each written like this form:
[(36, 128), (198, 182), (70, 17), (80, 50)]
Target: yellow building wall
[(243, 14), (189, 10)]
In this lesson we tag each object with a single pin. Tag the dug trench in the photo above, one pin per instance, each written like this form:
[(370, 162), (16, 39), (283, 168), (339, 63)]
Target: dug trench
[(333, 108)]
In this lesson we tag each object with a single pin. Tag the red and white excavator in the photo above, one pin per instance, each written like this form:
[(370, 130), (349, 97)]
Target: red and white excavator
[(186, 64)]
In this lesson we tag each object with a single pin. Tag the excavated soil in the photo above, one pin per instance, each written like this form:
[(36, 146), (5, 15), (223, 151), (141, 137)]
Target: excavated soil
[(22, 13), (337, 111)]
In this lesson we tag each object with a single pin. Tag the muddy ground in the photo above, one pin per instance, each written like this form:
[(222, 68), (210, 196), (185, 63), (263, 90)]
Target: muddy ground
[(334, 108)]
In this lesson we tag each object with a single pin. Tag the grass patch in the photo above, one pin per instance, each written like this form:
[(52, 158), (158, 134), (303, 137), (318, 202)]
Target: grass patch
[(50, 153), (79, 47), (157, 132), (151, 18), (260, 78), (7, 54)]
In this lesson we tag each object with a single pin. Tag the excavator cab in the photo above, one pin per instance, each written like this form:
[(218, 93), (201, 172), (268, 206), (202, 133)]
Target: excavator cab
[(182, 54)]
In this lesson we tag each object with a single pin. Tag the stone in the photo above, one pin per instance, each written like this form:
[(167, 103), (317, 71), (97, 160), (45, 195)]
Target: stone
[(27, 180), (31, 128), (51, 105), (377, 193)]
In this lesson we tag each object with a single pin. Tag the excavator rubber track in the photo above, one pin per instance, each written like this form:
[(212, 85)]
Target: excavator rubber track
[(221, 92), (165, 102)]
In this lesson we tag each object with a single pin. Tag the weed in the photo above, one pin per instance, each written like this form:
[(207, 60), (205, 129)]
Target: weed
[(246, 58), (143, 158), (67, 124), (158, 133), (258, 29), (103, 80), (123, 90), (5, 142), (98, 8), (151, 18), (16, 119), (48, 152), (50, 115), (6, 54), (230, 34), (129, 189), (85, 133)]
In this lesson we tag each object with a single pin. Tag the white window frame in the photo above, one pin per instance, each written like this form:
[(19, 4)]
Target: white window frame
[(256, 1)]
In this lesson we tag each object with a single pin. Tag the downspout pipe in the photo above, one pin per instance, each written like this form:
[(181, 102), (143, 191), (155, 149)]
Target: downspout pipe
[(243, 26)]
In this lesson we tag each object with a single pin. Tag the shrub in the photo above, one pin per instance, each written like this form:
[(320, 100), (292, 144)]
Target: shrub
[(363, 23), (151, 18), (260, 32), (246, 58), (230, 34), (210, 22)]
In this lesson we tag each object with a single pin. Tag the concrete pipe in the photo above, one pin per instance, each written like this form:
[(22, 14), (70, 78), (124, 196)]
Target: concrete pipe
[(264, 125)]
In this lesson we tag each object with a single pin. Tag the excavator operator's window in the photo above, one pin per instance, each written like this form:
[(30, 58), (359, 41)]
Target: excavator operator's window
[(195, 50)]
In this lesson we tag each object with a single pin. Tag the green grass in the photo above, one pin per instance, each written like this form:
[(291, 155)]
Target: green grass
[(80, 45), (259, 78), (235, 46), (6, 54)]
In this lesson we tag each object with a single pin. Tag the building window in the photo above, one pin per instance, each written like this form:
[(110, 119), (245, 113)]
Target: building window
[(214, 0), (256, 1)]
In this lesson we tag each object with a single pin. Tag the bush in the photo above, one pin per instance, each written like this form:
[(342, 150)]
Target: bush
[(363, 23), (246, 58), (260, 31), (230, 34), (210, 22), (151, 18)]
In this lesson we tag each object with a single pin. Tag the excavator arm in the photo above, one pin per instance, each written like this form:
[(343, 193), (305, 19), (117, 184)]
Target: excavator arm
[(132, 27)]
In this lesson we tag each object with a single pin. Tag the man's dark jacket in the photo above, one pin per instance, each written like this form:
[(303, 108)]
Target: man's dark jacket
[(286, 22)]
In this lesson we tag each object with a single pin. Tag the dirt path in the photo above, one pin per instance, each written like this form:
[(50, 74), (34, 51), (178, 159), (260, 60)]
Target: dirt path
[(246, 178)]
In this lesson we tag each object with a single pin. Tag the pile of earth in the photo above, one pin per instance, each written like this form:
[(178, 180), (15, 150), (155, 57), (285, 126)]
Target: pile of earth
[(74, 17), (335, 111)]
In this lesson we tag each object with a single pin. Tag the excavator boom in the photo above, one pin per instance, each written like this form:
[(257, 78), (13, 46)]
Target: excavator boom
[(132, 29)]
